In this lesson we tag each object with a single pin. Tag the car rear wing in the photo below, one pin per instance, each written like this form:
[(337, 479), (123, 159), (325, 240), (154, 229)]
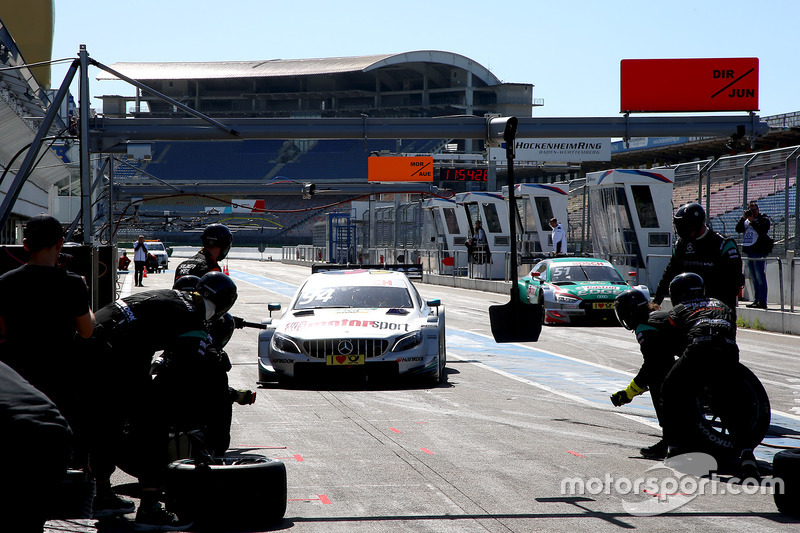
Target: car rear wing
[(411, 271)]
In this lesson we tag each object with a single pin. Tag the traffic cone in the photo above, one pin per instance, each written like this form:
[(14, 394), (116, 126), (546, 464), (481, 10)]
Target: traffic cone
[(144, 274), (225, 270)]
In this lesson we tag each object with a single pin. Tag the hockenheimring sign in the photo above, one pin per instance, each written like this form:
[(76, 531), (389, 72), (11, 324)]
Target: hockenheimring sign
[(561, 149)]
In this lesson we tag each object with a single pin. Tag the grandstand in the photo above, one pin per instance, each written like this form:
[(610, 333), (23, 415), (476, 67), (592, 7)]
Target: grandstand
[(412, 84)]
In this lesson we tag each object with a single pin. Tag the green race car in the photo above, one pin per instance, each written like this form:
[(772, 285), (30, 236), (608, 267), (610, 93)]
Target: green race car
[(575, 288)]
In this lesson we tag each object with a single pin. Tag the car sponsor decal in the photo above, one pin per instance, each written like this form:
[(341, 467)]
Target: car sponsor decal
[(598, 290), (345, 322), (582, 263)]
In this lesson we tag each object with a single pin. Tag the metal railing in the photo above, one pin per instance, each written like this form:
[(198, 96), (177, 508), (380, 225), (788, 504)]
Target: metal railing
[(432, 263), (780, 277)]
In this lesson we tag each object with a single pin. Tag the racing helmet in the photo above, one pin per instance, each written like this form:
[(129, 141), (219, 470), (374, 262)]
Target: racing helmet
[(219, 289), (218, 235), (186, 283), (689, 219), (686, 286), (221, 330), (631, 307)]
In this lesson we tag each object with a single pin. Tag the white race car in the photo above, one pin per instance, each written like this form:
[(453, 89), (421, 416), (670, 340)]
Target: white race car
[(355, 322)]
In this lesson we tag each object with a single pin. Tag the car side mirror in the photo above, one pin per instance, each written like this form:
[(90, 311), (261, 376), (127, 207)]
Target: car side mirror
[(435, 303), (273, 307)]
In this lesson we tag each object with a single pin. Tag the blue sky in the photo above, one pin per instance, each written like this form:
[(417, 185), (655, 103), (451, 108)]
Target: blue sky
[(569, 49)]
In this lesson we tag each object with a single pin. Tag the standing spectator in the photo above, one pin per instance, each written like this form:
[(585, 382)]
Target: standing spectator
[(124, 261), (217, 240), (756, 243), (705, 252), (41, 296), (478, 245), (558, 237), (139, 261)]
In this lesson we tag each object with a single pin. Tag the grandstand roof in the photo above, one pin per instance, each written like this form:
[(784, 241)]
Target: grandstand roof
[(293, 67)]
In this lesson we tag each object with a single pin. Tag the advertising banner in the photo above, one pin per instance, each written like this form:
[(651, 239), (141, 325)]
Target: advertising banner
[(566, 150)]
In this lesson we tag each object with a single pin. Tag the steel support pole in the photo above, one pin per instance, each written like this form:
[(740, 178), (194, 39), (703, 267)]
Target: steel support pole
[(86, 179)]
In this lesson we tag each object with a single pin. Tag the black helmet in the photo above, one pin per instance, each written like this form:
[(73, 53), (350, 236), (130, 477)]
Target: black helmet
[(221, 330), (631, 308), (686, 286), (219, 289), (186, 283), (689, 219), (218, 235)]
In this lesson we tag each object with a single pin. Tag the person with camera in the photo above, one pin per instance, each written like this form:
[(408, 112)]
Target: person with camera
[(139, 261), (705, 252), (217, 240), (756, 243)]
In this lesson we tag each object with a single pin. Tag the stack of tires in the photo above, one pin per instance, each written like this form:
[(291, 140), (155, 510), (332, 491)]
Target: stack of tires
[(236, 491)]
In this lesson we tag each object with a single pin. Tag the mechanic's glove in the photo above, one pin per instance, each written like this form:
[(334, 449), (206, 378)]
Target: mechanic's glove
[(245, 397), (238, 322), (626, 395)]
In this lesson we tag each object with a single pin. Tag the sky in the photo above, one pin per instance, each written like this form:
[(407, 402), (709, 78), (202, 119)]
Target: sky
[(570, 50)]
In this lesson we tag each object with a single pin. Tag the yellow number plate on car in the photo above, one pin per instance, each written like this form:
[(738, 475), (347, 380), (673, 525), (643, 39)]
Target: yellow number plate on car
[(345, 360), (603, 305)]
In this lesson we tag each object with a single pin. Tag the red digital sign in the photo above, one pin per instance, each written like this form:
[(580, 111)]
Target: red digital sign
[(462, 174), (682, 85)]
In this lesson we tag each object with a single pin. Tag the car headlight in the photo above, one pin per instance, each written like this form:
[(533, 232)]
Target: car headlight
[(286, 344), (407, 342), (566, 298)]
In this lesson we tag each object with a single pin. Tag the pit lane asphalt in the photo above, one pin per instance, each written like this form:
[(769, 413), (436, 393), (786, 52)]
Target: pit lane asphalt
[(490, 449)]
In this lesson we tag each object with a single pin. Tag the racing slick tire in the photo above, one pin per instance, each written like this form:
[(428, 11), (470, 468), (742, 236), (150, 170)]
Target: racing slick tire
[(242, 491), (786, 466), (440, 376), (712, 431)]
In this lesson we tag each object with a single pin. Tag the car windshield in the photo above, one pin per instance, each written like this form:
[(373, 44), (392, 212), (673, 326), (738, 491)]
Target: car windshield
[(354, 296), (588, 272), (154, 246)]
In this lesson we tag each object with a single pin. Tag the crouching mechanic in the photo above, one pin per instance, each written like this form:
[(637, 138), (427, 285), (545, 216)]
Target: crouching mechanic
[(658, 352), (706, 330), (128, 333), (193, 386)]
